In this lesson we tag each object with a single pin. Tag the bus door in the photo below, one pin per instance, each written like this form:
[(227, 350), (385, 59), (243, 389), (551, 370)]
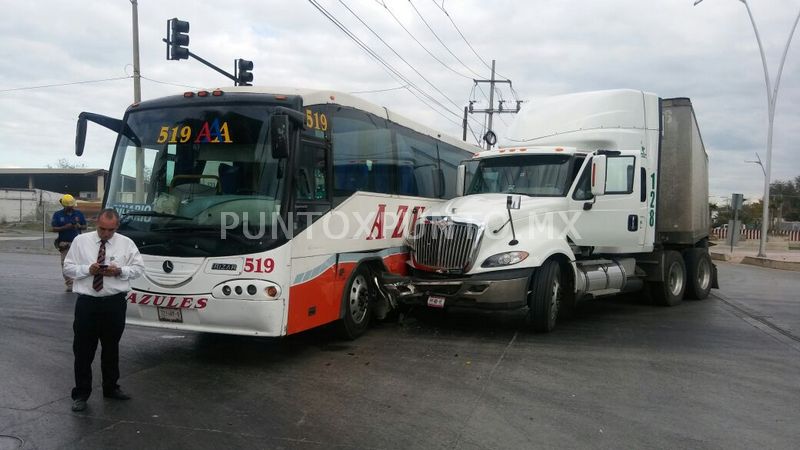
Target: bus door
[(311, 182)]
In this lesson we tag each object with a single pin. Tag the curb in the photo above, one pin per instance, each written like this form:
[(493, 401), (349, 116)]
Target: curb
[(771, 263), (720, 256)]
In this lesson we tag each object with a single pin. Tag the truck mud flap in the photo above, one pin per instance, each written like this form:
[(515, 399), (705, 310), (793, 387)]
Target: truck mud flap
[(714, 279)]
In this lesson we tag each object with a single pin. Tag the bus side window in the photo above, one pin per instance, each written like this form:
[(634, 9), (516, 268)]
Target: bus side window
[(416, 165), (362, 147)]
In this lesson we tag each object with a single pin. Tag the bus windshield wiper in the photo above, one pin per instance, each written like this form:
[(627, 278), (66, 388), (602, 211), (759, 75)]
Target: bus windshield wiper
[(155, 214)]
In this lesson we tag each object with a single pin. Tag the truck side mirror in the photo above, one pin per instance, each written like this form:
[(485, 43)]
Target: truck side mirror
[(279, 136), (599, 175), (461, 178), (80, 135)]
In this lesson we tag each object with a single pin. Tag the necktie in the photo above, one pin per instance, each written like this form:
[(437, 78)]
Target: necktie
[(97, 282)]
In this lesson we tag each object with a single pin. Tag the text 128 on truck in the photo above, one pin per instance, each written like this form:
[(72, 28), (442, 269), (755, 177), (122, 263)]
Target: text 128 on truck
[(590, 194), (270, 212)]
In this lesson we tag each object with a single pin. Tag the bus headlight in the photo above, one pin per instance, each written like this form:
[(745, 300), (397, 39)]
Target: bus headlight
[(505, 259)]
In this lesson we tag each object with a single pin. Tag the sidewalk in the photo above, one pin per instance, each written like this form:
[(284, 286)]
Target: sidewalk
[(776, 259), (27, 241)]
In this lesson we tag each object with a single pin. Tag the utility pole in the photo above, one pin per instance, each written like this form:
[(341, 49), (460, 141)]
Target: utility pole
[(137, 97), (490, 137)]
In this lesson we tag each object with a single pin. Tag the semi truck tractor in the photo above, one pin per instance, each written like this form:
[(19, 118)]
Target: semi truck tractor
[(588, 195)]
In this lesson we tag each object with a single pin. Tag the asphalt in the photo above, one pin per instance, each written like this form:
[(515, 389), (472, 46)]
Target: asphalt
[(718, 373)]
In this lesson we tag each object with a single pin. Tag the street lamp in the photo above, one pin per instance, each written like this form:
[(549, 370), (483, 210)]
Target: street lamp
[(772, 96), (758, 158)]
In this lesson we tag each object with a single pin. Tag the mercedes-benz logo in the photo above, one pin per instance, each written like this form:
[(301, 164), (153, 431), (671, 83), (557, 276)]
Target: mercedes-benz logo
[(167, 266)]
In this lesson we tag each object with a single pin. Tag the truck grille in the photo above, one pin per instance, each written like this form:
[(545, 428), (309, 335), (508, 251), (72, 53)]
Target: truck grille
[(442, 244)]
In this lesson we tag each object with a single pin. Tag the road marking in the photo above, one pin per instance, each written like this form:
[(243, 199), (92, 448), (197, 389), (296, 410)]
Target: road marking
[(761, 323)]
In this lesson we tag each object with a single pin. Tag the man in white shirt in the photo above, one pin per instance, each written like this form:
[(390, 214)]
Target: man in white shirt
[(102, 263)]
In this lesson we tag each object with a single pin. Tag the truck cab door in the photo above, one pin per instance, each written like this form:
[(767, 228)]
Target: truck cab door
[(613, 222)]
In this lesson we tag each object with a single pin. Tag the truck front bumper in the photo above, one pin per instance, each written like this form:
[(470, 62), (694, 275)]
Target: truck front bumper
[(505, 289)]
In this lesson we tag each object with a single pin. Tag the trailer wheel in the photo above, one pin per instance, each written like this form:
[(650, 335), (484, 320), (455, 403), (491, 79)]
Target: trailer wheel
[(670, 291), (358, 302), (545, 296), (699, 271)]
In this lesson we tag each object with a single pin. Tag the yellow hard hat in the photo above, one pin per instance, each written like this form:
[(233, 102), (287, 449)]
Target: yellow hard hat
[(68, 201)]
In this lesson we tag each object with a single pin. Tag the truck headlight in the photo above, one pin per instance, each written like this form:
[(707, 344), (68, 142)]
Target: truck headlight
[(505, 259)]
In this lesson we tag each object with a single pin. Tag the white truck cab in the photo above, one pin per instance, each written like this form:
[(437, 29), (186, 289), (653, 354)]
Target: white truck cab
[(589, 194)]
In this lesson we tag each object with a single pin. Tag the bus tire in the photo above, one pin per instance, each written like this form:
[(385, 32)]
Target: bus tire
[(699, 273), (357, 304), (669, 292), (545, 296)]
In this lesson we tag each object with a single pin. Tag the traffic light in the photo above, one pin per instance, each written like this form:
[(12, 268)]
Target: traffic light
[(177, 39), (243, 72)]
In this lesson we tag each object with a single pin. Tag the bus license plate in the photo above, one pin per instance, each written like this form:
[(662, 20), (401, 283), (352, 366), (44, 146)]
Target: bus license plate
[(436, 302), (170, 315)]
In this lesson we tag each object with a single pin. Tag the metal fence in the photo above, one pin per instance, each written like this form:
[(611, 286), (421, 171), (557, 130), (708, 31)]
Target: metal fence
[(721, 233)]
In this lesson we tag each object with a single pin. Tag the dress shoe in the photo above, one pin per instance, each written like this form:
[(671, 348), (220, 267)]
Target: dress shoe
[(78, 405), (117, 394)]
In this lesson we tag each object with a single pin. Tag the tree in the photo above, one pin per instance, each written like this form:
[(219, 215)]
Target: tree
[(64, 163), (785, 199)]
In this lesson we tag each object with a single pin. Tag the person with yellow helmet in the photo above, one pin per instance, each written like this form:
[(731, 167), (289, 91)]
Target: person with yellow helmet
[(68, 222)]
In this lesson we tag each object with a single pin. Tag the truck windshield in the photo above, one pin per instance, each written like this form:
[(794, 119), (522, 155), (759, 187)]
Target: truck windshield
[(533, 175), (198, 181)]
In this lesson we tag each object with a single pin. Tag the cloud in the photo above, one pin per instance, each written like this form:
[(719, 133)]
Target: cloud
[(707, 53)]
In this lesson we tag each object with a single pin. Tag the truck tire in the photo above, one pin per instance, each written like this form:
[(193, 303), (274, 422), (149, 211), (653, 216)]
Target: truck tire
[(670, 291), (544, 298), (699, 273), (357, 304)]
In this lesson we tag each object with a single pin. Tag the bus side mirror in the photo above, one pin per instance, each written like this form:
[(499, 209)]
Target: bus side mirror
[(599, 175), (80, 135), (279, 132), (461, 178)]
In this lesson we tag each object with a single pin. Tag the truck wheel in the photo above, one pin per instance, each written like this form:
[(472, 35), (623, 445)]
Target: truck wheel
[(545, 297), (699, 273), (358, 300), (670, 291)]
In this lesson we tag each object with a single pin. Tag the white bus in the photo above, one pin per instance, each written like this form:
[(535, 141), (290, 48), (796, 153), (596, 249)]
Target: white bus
[(270, 212)]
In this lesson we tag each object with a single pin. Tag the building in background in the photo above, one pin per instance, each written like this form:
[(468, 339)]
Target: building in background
[(83, 184), (28, 195)]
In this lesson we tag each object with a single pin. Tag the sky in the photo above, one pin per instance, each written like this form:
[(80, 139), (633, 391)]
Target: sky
[(707, 52)]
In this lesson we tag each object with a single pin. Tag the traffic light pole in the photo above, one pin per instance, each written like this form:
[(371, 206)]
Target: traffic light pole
[(232, 77), (137, 97)]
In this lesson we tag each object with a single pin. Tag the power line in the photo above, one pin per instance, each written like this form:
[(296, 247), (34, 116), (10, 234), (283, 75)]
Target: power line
[(464, 37), (399, 56), (383, 3), (440, 40), (168, 83), (394, 73), (26, 88), (380, 90)]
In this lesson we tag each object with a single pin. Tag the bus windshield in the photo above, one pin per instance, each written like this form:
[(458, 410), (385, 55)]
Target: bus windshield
[(198, 181), (533, 175)]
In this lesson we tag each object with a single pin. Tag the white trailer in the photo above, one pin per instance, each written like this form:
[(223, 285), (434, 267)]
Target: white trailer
[(589, 194)]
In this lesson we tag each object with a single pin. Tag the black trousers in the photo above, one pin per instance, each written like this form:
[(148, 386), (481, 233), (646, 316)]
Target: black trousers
[(97, 319)]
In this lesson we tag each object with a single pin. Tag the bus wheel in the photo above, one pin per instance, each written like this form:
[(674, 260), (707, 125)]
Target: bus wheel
[(670, 291), (358, 299), (699, 273), (544, 299)]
